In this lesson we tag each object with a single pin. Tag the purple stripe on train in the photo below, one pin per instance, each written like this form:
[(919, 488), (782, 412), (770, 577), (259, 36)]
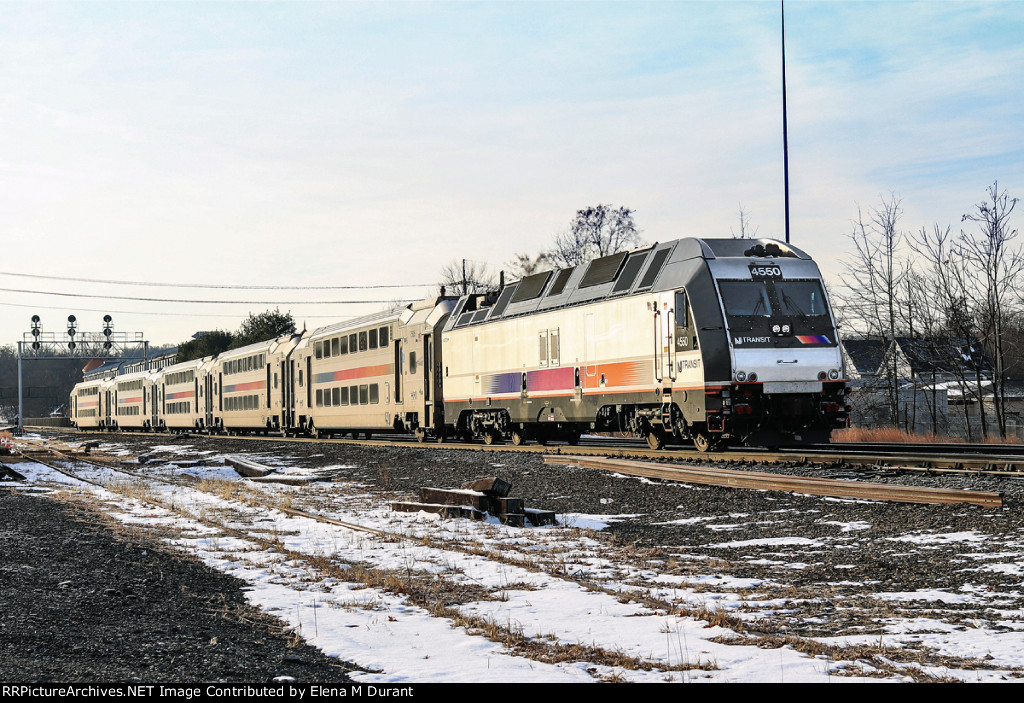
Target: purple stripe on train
[(500, 383)]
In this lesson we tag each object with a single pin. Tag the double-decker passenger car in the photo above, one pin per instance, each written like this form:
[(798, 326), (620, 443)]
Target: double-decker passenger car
[(707, 340), (182, 396), (134, 401), (89, 404), (372, 374), (250, 388)]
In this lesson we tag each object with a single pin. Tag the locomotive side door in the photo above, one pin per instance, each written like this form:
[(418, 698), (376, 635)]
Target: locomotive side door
[(663, 323), (684, 337)]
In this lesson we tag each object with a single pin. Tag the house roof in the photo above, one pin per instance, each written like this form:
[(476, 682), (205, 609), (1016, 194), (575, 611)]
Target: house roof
[(866, 355), (946, 355)]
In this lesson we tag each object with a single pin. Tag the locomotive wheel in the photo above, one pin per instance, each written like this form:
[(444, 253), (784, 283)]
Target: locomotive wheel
[(704, 443), (655, 439), (492, 436), (518, 438), (421, 435), (573, 438)]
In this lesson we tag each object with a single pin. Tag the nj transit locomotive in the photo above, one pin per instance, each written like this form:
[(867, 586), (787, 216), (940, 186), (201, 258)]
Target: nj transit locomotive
[(702, 340)]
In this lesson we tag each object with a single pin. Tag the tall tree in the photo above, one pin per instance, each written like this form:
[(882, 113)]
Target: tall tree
[(206, 344), (997, 265), (747, 230), (266, 325), (523, 265), (463, 277), (596, 231), (873, 281)]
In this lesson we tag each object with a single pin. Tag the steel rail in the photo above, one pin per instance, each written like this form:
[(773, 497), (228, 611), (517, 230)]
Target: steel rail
[(777, 482), (988, 463)]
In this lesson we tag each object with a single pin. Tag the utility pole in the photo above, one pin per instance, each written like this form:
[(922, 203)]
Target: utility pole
[(785, 126)]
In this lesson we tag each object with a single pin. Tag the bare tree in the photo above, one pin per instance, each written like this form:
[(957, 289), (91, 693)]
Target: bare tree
[(596, 231), (997, 266), (746, 230), (951, 286), (872, 284), (462, 277), (523, 265)]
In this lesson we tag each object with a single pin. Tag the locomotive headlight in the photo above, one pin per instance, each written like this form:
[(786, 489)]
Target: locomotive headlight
[(785, 329), (833, 374), (752, 376), (776, 329), (741, 376)]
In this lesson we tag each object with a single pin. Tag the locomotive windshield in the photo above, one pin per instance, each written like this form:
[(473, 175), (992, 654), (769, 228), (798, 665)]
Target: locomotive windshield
[(801, 297), (745, 298)]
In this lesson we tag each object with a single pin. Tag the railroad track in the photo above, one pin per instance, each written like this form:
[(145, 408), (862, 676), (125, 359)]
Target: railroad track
[(777, 482), (907, 457)]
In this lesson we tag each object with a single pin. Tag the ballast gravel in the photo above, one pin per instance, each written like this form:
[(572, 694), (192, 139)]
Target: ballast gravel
[(834, 559), (82, 600)]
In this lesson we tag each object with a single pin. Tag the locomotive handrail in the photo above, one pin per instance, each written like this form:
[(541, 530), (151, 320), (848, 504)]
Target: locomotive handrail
[(670, 337), (657, 348)]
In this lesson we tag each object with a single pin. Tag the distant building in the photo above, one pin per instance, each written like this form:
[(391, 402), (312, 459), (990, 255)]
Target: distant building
[(939, 384)]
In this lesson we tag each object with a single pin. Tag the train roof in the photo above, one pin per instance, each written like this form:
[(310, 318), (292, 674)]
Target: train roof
[(613, 276)]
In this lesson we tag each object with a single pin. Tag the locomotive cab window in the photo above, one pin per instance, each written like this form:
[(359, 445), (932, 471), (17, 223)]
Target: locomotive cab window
[(801, 297), (745, 298), (682, 308)]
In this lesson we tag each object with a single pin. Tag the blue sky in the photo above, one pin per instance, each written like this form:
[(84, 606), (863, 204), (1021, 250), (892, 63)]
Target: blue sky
[(339, 143)]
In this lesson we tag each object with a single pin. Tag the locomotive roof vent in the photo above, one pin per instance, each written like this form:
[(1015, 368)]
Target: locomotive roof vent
[(770, 249)]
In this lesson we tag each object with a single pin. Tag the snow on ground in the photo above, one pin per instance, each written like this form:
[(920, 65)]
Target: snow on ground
[(553, 600)]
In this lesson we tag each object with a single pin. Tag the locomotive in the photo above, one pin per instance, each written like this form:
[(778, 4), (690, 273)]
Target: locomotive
[(709, 341)]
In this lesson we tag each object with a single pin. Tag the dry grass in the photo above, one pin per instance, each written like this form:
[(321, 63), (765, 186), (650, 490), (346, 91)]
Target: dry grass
[(139, 490), (894, 435)]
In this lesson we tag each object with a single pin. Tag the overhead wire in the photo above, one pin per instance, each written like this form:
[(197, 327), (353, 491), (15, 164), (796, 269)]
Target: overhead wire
[(215, 286), (207, 302), (231, 315)]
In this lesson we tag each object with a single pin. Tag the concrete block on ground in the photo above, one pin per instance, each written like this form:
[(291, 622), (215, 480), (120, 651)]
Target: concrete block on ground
[(491, 485), (248, 468), (285, 479), (514, 519), (508, 506), (446, 496), (443, 510), (541, 518)]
